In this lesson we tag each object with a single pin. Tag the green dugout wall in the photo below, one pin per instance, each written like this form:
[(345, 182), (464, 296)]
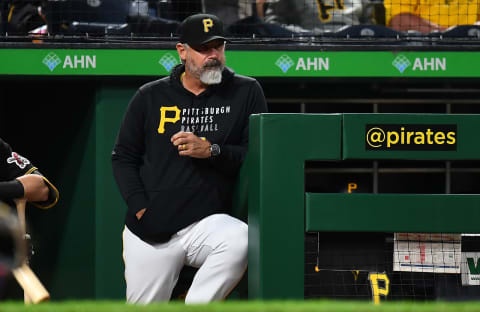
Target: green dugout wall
[(69, 135), (280, 211)]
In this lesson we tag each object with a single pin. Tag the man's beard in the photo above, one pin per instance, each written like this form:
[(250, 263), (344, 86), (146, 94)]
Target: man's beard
[(210, 73)]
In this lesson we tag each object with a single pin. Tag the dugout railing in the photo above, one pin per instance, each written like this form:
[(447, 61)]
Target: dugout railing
[(280, 212)]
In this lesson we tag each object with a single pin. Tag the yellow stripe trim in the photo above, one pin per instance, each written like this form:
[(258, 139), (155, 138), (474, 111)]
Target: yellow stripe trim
[(31, 170), (10, 13), (57, 195)]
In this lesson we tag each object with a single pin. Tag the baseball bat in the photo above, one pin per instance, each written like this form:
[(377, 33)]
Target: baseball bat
[(34, 291)]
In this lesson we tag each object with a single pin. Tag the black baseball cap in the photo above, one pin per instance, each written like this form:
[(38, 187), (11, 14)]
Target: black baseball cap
[(200, 28)]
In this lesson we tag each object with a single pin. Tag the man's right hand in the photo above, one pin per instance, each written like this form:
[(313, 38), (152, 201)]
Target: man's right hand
[(140, 213), (35, 188)]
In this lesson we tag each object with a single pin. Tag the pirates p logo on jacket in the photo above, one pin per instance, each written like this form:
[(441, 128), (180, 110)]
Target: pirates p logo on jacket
[(164, 118)]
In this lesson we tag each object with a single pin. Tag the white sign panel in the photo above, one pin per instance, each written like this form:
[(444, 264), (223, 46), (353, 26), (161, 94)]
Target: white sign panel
[(470, 268), (424, 252)]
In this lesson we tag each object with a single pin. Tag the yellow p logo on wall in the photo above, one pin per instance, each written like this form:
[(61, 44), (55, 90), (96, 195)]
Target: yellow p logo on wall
[(207, 24), (164, 118), (378, 291)]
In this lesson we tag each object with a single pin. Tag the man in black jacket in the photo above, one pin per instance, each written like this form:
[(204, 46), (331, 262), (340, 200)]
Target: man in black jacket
[(180, 146)]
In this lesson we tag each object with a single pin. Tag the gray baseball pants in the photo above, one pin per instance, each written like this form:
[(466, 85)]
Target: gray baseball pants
[(217, 245)]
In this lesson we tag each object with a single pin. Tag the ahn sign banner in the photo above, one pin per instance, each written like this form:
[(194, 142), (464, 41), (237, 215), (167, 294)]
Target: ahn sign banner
[(411, 137)]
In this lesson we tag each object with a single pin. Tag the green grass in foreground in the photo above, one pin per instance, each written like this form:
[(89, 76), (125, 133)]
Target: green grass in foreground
[(237, 306)]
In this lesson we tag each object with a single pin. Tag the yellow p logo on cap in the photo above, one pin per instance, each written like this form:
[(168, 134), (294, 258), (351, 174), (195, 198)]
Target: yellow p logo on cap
[(207, 23)]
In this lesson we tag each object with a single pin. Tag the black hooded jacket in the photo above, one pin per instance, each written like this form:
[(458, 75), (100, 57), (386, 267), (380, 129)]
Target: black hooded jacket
[(177, 190)]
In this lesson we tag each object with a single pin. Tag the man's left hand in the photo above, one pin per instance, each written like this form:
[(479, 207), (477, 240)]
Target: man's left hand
[(188, 144)]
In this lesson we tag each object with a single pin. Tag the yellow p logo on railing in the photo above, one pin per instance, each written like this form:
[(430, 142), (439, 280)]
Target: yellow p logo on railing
[(207, 24), (376, 290)]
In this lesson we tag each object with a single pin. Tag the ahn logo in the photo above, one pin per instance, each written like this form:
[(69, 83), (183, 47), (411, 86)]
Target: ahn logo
[(168, 61), (470, 268), (401, 63), (284, 62), (430, 64), (51, 61), (308, 63)]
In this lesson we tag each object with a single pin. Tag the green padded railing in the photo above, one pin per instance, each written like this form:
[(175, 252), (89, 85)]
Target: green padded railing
[(392, 213), (279, 211)]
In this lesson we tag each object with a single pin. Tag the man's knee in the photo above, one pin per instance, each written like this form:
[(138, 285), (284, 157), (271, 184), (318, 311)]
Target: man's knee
[(237, 244)]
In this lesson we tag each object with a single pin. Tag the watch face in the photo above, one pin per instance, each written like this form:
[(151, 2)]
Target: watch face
[(215, 149)]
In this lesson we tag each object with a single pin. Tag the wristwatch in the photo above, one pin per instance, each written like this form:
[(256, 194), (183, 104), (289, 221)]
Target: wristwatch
[(214, 150)]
